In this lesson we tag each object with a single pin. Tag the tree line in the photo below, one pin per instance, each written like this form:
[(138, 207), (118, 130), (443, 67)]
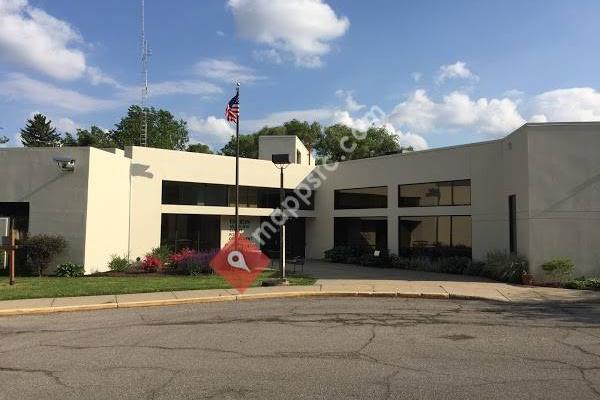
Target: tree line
[(167, 132)]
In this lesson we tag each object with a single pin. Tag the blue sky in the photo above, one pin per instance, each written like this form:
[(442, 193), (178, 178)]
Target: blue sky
[(436, 73)]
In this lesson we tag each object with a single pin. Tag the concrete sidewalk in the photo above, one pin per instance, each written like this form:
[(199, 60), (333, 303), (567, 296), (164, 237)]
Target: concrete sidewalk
[(332, 280)]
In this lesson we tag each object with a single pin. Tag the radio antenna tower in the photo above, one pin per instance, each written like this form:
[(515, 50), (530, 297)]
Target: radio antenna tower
[(145, 56)]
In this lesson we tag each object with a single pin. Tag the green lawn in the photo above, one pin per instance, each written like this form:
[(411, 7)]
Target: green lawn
[(35, 287)]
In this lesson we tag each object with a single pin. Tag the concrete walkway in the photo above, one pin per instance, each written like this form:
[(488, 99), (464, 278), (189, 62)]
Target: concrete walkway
[(332, 280)]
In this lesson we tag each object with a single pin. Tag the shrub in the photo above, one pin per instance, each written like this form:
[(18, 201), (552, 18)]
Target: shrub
[(583, 283), (452, 265), (70, 270), (475, 268), (342, 254), (151, 264), (504, 266), (575, 284), (559, 269), (399, 262), (592, 283), (163, 253), (371, 260), (439, 251), (421, 264), (41, 249), (118, 263)]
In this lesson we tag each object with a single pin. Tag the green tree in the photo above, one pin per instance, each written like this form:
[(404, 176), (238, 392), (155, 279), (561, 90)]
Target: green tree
[(340, 143), (199, 148), (39, 133), (309, 135), (248, 146), (4, 139), (94, 137), (164, 131)]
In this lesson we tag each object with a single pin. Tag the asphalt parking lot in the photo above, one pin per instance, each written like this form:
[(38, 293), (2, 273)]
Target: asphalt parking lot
[(350, 348)]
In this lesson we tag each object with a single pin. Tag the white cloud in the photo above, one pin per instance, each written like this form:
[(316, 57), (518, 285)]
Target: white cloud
[(226, 71), (219, 131), (417, 112), (191, 87), (220, 33), (573, 104), (278, 118), (456, 111), (19, 86), (377, 117), (538, 118), (211, 126), (302, 29), (350, 103), (65, 124), (416, 76), (32, 38), (168, 88), (97, 77), (458, 70), (407, 139), (514, 94), (269, 55)]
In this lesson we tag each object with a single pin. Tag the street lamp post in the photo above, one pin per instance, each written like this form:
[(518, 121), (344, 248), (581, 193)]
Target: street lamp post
[(281, 161)]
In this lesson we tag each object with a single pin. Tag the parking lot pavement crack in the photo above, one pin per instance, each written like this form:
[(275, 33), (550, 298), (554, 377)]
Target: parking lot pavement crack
[(48, 373)]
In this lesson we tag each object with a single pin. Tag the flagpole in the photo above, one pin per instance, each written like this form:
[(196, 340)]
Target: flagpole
[(237, 169)]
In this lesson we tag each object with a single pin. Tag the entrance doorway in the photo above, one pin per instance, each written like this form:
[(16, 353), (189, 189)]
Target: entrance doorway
[(17, 212), (295, 239)]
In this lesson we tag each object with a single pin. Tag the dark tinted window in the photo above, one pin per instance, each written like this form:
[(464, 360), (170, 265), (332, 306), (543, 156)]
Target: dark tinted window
[(435, 235), (206, 194), (449, 193), (371, 197), (364, 233), (199, 232)]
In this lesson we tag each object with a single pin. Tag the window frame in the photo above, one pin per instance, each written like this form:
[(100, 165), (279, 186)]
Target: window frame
[(452, 185), (437, 229), (335, 201), (264, 195)]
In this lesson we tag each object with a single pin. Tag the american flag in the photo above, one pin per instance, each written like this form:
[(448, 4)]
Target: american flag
[(232, 111)]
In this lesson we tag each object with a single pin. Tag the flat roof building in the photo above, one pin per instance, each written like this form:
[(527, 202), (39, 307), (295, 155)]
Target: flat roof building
[(536, 192)]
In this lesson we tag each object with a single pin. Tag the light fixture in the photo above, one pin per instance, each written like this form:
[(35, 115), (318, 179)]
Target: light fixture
[(281, 161), (65, 163)]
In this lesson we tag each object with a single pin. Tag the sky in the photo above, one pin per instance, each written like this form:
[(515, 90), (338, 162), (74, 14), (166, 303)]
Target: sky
[(435, 73)]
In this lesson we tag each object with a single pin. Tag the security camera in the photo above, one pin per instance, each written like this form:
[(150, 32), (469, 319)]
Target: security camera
[(65, 163)]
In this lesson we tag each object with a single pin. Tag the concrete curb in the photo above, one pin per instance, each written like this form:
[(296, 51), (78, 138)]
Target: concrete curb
[(239, 297)]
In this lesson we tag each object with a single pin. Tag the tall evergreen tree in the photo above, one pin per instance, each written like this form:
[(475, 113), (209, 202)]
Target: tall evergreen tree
[(39, 133)]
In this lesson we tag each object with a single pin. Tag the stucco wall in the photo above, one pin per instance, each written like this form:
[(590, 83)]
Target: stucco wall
[(57, 199), (291, 145), (151, 166), (564, 187), (107, 209), (479, 162)]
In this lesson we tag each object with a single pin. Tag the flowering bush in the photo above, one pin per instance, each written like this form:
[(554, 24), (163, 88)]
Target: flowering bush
[(151, 264), (191, 262), (182, 256)]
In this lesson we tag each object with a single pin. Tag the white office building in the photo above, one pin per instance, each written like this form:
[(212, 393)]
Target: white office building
[(536, 192)]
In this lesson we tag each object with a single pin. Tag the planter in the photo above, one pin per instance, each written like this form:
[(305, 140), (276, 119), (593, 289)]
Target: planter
[(527, 279)]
